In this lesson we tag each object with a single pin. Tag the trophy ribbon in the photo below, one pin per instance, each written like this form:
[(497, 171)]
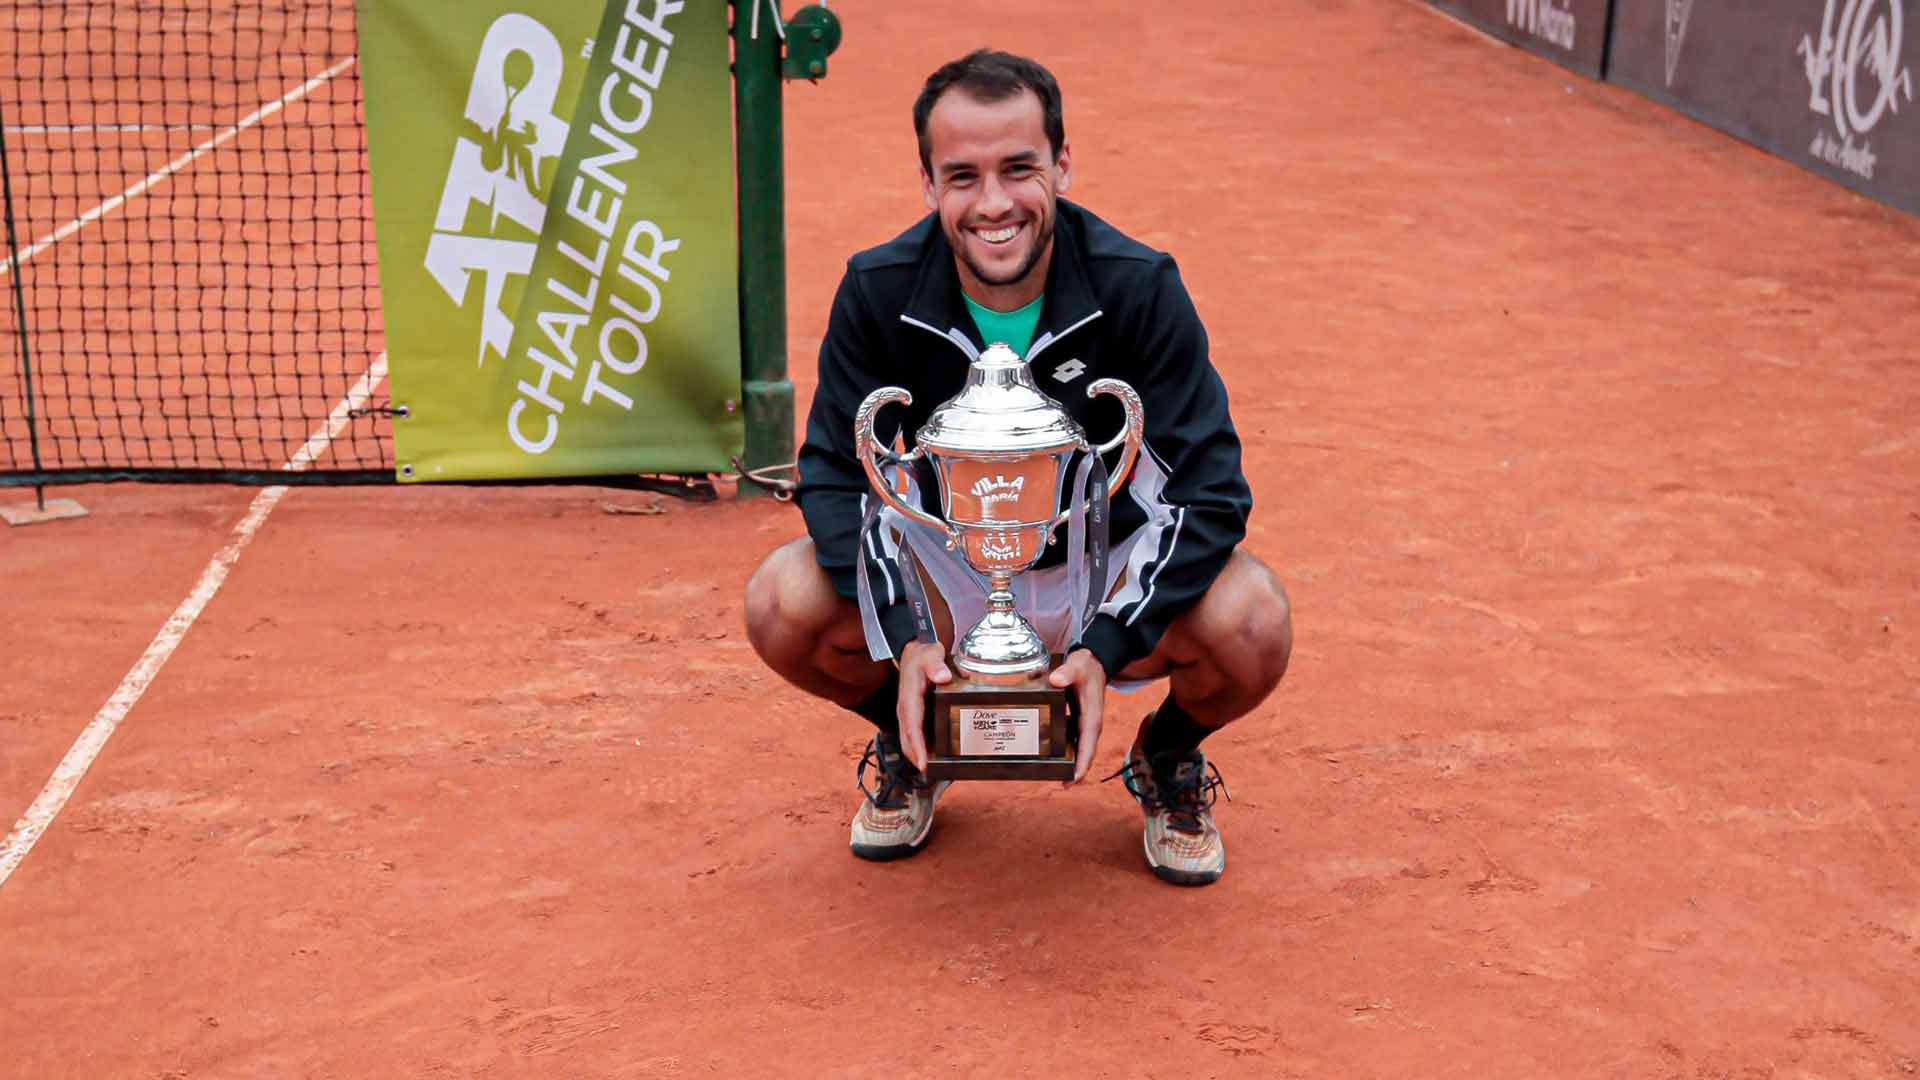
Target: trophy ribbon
[(916, 595), (1087, 548), (1087, 543)]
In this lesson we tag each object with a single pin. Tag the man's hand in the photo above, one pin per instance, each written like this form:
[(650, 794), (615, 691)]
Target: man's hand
[(1089, 681), (922, 664)]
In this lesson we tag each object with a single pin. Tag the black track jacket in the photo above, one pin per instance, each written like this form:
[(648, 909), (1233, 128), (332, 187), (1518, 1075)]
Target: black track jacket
[(1114, 308)]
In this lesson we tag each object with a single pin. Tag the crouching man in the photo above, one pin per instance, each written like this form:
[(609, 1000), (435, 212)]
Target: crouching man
[(1003, 258)]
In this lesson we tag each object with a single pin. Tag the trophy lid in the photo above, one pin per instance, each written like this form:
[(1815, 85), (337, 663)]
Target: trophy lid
[(1000, 410)]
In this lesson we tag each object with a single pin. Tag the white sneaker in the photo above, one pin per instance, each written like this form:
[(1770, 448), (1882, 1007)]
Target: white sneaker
[(1176, 794), (896, 815)]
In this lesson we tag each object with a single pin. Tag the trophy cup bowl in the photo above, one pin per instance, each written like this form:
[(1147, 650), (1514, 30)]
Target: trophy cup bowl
[(1000, 449)]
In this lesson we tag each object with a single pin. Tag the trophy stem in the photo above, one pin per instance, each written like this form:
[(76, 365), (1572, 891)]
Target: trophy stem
[(1003, 647), (1000, 592)]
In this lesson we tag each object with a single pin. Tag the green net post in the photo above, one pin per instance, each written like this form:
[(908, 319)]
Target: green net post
[(758, 34)]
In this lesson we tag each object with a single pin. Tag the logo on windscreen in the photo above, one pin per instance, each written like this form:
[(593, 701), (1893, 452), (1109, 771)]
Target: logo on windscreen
[(1548, 20), (1856, 75), (1677, 13)]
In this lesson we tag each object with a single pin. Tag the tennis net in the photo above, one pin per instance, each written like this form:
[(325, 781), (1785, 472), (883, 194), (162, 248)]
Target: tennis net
[(192, 288)]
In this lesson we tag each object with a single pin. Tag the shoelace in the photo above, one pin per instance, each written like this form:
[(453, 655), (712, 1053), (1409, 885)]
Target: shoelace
[(896, 775), (1183, 794)]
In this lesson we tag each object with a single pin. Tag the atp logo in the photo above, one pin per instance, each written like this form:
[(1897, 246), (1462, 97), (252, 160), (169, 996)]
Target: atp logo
[(1855, 76), (503, 161)]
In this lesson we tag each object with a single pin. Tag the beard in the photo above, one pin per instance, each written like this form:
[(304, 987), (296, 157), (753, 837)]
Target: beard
[(1042, 241)]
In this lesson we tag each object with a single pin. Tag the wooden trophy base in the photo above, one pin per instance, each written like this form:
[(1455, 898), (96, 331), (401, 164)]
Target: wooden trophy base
[(994, 731)]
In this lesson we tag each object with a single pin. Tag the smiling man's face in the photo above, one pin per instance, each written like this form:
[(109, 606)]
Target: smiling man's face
[(994, 180)]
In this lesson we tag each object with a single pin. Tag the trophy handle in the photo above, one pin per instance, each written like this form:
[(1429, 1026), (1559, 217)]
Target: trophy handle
[(1132, 435), (865, 445)]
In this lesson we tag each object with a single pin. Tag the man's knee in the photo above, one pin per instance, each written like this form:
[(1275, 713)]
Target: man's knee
[(1246, 615), (1267, 614), (1269, 625), (789, 599), (804, 630)]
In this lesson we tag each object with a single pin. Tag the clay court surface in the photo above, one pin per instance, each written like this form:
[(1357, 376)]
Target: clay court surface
[(1582, 435)]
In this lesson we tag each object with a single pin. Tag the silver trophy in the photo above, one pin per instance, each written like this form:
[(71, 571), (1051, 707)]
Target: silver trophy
[(1001, 449)]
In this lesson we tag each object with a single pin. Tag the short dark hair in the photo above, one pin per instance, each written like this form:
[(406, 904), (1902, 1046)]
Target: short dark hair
[(989, 75)]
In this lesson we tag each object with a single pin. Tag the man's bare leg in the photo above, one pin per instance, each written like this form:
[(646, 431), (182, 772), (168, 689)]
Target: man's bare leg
[(1228, 652), (813, 638), (806, 632)]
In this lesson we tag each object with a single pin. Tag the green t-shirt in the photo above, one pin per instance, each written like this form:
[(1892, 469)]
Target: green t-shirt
[(1013, 327)]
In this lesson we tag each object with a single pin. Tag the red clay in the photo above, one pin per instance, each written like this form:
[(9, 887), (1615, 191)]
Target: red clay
[(1582, 435)]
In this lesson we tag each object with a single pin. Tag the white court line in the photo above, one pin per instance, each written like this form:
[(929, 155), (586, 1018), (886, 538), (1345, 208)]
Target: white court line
[(176, 164), (66, 776)]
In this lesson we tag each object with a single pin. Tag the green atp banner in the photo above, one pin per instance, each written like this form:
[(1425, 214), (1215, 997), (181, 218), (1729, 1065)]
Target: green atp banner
[(554, 212)]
